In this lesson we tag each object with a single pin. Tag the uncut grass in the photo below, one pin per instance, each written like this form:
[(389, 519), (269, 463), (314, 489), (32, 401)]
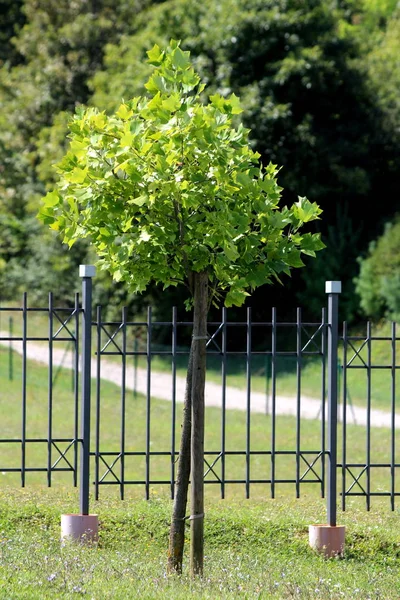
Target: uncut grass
[(242, 432), (253, 549)]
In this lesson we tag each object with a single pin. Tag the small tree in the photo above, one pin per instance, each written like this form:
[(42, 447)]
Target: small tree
[(168, 190)]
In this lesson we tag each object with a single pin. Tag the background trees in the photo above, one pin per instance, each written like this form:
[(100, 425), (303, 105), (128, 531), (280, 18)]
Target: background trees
[(51, 49), (304, 73), (378, 283), (318, 81)]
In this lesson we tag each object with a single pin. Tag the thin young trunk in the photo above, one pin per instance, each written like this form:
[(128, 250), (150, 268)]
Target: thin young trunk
[(177, 530), (197, 438)]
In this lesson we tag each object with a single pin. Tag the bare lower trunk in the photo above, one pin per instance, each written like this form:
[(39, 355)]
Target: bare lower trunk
[(177, 531), (197, 439), (191, 452)]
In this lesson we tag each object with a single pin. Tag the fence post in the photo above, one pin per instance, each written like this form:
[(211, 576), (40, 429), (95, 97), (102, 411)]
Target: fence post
[(84, 527), (333, 289), (329, 539), (86, 272)]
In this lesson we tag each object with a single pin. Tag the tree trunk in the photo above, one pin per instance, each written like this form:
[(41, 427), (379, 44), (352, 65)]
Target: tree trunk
[(177, 531), (200, 281)]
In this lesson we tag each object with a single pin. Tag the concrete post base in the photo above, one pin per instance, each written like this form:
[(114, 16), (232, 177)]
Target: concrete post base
[(82, 528), (327, 539)]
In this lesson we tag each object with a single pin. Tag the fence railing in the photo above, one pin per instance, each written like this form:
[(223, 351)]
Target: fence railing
[(358, 358), (272, 406), (62, 327)]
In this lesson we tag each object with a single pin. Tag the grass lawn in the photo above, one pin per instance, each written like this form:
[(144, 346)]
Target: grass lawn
[(253, 549)]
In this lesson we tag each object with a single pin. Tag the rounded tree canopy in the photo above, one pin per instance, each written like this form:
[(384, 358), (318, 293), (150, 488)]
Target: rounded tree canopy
[(169, 185)]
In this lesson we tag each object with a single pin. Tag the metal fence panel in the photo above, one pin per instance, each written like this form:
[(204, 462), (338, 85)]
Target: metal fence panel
[(139, 388)]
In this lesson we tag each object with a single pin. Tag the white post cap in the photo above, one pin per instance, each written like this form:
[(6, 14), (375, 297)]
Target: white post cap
[(333, 287), (87, 271)]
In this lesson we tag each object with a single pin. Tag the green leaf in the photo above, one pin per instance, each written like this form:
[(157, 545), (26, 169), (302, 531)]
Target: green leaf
[(155, 102), (235, 104), (293, 258), (78, 175), (144, 236), (135, 126), (172, 103), (235, 297), (126, 139), (140, 200), (180, 59), (118, 275), (310, 243), (155, 55), (99, 120), (156, 83), (124, 112), (104, 232), (306, 211), (218, 101), (231, 251), (46, 215), (78, 148), (146, 147), (127, 225), (52, 199)]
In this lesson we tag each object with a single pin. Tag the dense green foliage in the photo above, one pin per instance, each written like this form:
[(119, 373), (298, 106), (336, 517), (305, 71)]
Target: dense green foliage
[(318, 81), (59, 47), (168, 186), (308, 100), (378, 283)]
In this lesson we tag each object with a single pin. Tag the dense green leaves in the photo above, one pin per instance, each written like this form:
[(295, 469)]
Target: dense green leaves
[(314, 99), (168, 186), (48, 51), (318, 82), (378, 282), (384, 69)]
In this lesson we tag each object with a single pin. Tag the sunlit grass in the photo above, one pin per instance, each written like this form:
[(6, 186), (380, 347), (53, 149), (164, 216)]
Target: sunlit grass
[(253, 549), (256, 548)]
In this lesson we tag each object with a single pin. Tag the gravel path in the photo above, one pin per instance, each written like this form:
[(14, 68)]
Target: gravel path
[(161, 387)]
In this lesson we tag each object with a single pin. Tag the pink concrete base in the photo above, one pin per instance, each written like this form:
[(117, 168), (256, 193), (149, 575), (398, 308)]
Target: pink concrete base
[(82, 528), (327, 540)]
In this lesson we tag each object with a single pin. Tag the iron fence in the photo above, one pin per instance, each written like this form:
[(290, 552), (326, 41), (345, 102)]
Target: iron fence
[(357, 476), (123, 389), (62, 327), (112, 342)]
